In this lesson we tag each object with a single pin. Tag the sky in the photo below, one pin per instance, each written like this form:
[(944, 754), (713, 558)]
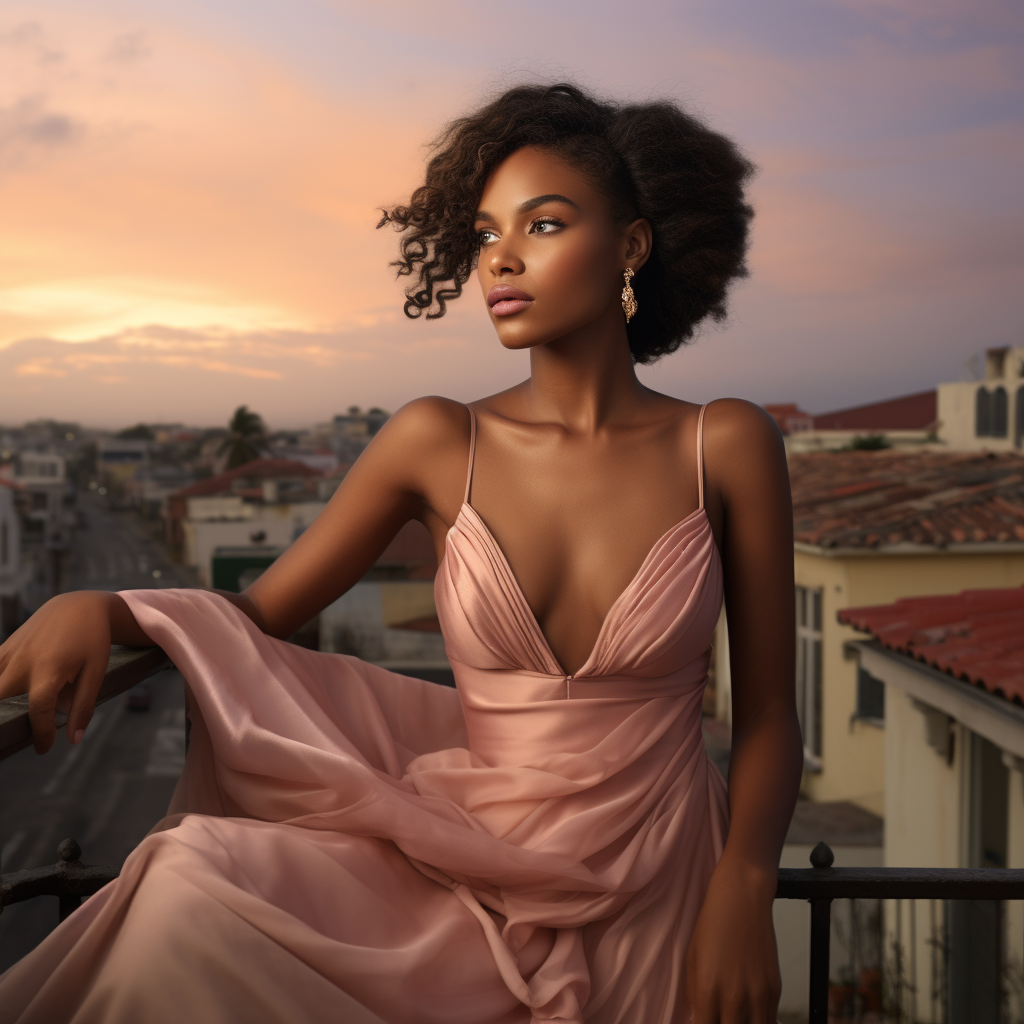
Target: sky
[(189, 193)]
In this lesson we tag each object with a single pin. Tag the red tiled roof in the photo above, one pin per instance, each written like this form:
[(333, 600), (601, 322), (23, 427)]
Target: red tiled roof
[(258, 469), (908, 412), (976, 636), (874, 499), (789, 418)]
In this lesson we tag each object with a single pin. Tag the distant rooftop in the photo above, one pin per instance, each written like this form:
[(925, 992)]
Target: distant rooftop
[(882, 499), (908, 412), (918, 411), (257, 470), (976, 636)]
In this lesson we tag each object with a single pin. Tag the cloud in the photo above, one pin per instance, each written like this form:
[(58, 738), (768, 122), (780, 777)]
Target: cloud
[(128, 47), (291, 376), (78, 309), (944, 21), (28, 39), (40, 366), (204, 182), (29, 124)]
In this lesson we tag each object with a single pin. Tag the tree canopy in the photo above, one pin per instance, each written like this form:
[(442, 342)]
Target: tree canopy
[(247, 438), (140, 432)]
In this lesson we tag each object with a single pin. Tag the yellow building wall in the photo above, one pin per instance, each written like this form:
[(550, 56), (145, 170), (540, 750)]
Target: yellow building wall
[(1015, 908), (923, 813), (923, 828), (406, 600), (853, 752)]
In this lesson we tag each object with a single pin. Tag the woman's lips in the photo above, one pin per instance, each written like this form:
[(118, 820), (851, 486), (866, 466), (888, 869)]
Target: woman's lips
[(505, 300), (503, 307)]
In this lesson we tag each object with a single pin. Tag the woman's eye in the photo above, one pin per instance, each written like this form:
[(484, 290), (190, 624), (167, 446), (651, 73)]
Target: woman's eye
[(545, 227), (485, 237)]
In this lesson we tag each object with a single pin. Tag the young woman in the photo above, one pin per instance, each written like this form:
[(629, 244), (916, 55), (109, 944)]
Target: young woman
[(549, 842)]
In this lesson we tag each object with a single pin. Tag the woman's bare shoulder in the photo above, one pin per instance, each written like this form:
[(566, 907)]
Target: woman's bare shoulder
[(421, 449), (743, 448), (737, 423), (426, 423)]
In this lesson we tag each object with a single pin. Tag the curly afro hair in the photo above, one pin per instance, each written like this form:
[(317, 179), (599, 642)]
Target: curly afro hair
[(651, 160)]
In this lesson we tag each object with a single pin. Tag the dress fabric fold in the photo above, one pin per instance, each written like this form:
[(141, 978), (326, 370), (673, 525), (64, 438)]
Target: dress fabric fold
[(351, 845)]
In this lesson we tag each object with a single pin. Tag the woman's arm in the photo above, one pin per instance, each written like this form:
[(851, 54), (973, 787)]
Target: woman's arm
[(413, 469), (732, 963)]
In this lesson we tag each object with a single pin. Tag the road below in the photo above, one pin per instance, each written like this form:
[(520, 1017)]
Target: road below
[(113, 787)]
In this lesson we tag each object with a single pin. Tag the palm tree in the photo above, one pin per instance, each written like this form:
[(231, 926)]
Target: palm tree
[(247, 438)]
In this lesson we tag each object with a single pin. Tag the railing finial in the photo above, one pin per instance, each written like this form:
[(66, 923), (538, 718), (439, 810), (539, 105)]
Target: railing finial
[(822, 856), (69, 851)]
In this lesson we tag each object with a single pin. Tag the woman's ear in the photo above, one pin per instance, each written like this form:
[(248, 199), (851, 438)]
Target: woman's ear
[(638, 243)]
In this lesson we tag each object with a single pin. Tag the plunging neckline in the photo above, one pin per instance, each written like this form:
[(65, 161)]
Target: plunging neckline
[(532, 616)]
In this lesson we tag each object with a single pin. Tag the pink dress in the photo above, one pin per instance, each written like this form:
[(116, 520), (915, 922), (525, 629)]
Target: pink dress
[(350, 845)]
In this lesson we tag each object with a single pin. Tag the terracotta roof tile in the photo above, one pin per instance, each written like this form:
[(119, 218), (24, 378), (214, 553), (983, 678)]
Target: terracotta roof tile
[(908, 412), (976, 636), (258, 469), (870, 499)]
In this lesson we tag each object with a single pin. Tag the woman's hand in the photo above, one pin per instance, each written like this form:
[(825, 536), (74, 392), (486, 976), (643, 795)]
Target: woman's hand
[(59, 658), (732, 965)]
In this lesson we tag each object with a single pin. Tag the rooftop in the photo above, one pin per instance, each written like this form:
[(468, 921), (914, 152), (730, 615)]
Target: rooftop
[(918, 411), (976, 636), (894, 498), (257, 470), (908, 412)]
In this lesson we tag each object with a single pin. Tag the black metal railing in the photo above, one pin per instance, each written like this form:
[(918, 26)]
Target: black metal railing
[(70, 880), (821, 883)]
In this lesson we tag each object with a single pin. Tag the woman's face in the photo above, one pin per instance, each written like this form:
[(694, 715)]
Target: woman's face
[(551, 254)]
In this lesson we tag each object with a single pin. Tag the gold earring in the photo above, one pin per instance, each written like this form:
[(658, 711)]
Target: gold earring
[(628, 298)]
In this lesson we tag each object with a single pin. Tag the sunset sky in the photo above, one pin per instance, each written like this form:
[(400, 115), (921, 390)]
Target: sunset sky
[(188, 194)]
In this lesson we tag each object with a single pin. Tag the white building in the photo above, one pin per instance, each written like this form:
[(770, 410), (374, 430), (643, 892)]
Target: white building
[(14, 571), (986, 414), (42, 476), (229, 521), (120, 457), (953, 671)]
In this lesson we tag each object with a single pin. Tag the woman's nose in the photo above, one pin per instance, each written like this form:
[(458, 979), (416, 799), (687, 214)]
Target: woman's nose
[(504, 260)]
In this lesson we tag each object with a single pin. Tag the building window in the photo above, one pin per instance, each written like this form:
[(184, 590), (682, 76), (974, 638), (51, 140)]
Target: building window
[(3, 542), (870, 697), (1018, 418), (39, 501), (1000, 412), (989, 793), (808, 670), (982, 413)]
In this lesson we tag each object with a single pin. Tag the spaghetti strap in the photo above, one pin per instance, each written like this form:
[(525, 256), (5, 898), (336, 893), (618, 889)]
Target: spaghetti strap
[(700, 458), (472, 453)]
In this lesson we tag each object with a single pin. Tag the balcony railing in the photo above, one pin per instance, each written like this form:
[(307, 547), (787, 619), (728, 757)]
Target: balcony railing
[(820, 884), (69, 879)]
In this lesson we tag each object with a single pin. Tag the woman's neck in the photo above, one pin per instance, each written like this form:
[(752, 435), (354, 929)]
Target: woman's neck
[(586, 379)]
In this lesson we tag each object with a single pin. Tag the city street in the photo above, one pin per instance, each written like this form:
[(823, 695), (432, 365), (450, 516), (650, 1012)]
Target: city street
[(109, 791)]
